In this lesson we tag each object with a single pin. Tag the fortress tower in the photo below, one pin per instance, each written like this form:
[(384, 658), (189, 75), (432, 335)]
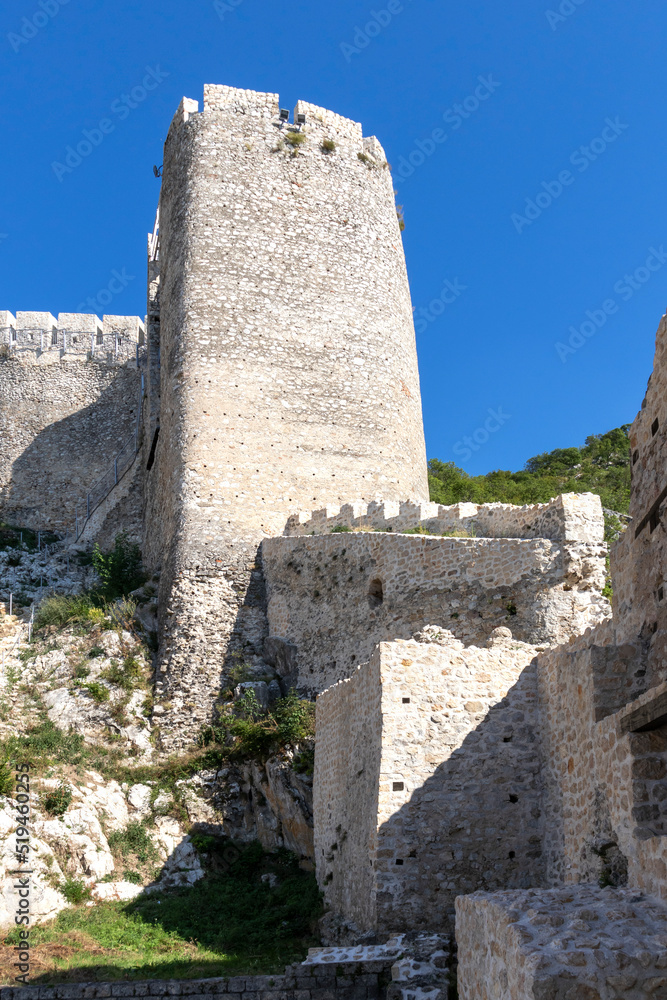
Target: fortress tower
[(287, 363)]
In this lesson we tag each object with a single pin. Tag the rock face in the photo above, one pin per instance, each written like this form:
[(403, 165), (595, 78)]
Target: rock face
[(267, 802)]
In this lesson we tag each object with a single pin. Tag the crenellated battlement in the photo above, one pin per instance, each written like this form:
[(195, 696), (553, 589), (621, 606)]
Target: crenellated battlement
[(571, 517), (258, 110), (39, 338)]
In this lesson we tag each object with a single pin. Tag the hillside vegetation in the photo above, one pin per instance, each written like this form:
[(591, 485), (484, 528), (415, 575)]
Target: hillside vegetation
[(602, 466)]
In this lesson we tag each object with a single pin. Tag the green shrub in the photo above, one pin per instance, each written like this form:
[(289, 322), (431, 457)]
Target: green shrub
[(121, 613), (339, 528), (246, 734), (120, 569), (328, 145), (128, 675), (81, 671), (132, 876), (75, 891), (98, 692), (59, 800), (95, 653)]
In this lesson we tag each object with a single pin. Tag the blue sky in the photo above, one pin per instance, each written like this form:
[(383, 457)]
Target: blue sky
[(532, 208)]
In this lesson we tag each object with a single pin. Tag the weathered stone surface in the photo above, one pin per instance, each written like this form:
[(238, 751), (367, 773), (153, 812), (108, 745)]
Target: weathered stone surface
[(579, 942), (336, 596)]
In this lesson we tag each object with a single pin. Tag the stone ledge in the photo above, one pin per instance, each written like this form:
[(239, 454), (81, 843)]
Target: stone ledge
[(580, 941)]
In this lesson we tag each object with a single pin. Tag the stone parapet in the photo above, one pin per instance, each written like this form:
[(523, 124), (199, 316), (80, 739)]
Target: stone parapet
[(335, 596), (40, 338), (572, 517), (578, 943)]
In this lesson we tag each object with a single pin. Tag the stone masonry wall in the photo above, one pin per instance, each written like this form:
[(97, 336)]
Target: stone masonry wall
[(445, 741), (605, 764), (639, 559), (62, 421), (345, 794), (572, 517), (38, 338), (288, 369), (343, 981), (335, 596), (580, 943)]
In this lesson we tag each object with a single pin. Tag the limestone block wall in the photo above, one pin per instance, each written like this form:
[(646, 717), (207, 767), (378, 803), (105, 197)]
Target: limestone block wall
[(336, 596), (288, 368), (63, 418), (572, 517), (427, 782), (582, 943)]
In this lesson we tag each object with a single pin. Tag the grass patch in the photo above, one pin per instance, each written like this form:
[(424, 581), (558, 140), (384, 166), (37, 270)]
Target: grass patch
[(294, 139), (43, 745), (133, 842), (227, 924), (60, 611), (128, 675)]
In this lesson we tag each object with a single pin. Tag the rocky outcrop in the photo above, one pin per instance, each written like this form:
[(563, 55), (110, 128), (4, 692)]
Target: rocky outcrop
[(267, 802)]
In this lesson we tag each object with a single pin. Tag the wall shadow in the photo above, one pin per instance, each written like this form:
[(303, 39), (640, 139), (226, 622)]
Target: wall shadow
[(476, 823), (48, 462)]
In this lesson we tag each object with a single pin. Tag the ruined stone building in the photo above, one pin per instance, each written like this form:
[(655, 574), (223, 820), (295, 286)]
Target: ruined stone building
[(491, 754)]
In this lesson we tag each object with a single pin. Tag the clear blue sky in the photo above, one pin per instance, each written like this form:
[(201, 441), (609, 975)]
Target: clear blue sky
[(551, 83)]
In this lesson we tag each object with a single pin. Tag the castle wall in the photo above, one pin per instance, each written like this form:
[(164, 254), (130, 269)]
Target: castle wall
[(454, 731), (288, 369), (346, 784), (323, 594), (571, 517), (63, 415)]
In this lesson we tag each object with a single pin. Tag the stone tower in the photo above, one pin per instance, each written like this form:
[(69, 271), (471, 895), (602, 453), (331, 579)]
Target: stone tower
[(288, 370)]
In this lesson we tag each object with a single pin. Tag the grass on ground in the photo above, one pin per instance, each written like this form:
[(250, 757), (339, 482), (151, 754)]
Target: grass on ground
[(229, 923)]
